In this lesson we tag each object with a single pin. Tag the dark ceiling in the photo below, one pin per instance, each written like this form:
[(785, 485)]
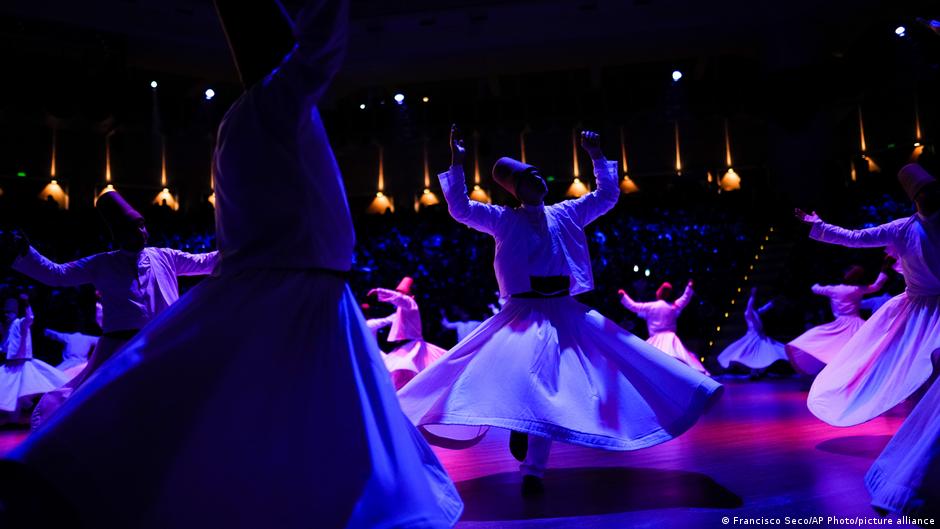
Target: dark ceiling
[(419, 40)]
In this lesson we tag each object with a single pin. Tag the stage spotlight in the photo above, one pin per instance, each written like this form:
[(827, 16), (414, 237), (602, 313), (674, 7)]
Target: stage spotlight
[(362, 106), (425, 99), (676, 75), (646, 272), (399, 98), (900, 31), (210, 93), (636, 268), (153, 84)]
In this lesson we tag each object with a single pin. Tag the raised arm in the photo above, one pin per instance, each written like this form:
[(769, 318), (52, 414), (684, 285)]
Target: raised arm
[(686, 296), (34, 265), (877, 285), (633, 306), (192, 264), (821, 290), (767, 306), (374, 324), (447, 324), (876, 237), (260, 33), (476, 215), (395, 297), (594, 204)]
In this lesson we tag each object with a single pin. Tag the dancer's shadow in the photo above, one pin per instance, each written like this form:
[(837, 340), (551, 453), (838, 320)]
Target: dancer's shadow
[(592, 491), (867, 446)]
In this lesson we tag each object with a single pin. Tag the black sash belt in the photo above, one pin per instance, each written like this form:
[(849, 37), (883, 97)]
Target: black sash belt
[(547, 287)]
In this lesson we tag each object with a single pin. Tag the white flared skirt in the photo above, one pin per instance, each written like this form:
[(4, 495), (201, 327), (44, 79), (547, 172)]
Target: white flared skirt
[(409, 359), (557, 369), (886, 361), (811, 351), (906, 476), (24, 378), (669, 343), (753, 351), (259, 399)]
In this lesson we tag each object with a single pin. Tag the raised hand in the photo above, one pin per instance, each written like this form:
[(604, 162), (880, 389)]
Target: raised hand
[(887, 263), (457, 150), (373, 292), (591, 143), (621, 292), (809, 218)]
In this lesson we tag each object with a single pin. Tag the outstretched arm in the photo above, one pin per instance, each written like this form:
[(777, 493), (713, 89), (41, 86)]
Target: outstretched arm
[(476, 215), (34, 265), (260, 34), (877, 285), (686, 296), (394, 297), (447, 324), (767, 306), (876, 237), (192, 264), (594, 204), (633, 306)]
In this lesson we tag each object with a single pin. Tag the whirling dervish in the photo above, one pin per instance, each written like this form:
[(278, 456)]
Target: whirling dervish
[(414, 354), (547, 367), (892, 355), (812, 350), (755, 350), (274, 340), (662, 318)]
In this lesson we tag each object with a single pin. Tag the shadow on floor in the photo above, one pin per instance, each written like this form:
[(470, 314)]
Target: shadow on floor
[(866, 446), (592, 491)]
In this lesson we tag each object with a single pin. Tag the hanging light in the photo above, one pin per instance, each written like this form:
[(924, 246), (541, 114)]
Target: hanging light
[(872, 166), (853, 174), (627, 185), (428, 198), (53, 190), (730, 181), (918, 139), (211, 198), (164, 197), (577, 187), (678, 154), (52, 162), (477, 193), (381, 203)]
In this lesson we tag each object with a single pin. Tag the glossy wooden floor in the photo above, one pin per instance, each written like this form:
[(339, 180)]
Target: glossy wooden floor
[(758, 453)]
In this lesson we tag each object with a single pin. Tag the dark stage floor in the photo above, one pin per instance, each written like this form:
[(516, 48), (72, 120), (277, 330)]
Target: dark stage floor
[(758, 453)]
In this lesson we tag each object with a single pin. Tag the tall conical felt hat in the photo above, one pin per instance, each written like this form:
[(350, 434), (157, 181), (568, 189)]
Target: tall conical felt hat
[(914, 178), (506, 172), (116, 211), (661, 291), (405, 285), (854, 275)]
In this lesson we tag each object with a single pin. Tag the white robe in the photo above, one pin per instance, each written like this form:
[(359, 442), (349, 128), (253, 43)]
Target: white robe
[(661, 321), (413, 356), (812, 350), (754, 350), (260, 398), (551, 367), (22, 375), (135, 287), (76, 347), (906, 476), (890, 357)]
